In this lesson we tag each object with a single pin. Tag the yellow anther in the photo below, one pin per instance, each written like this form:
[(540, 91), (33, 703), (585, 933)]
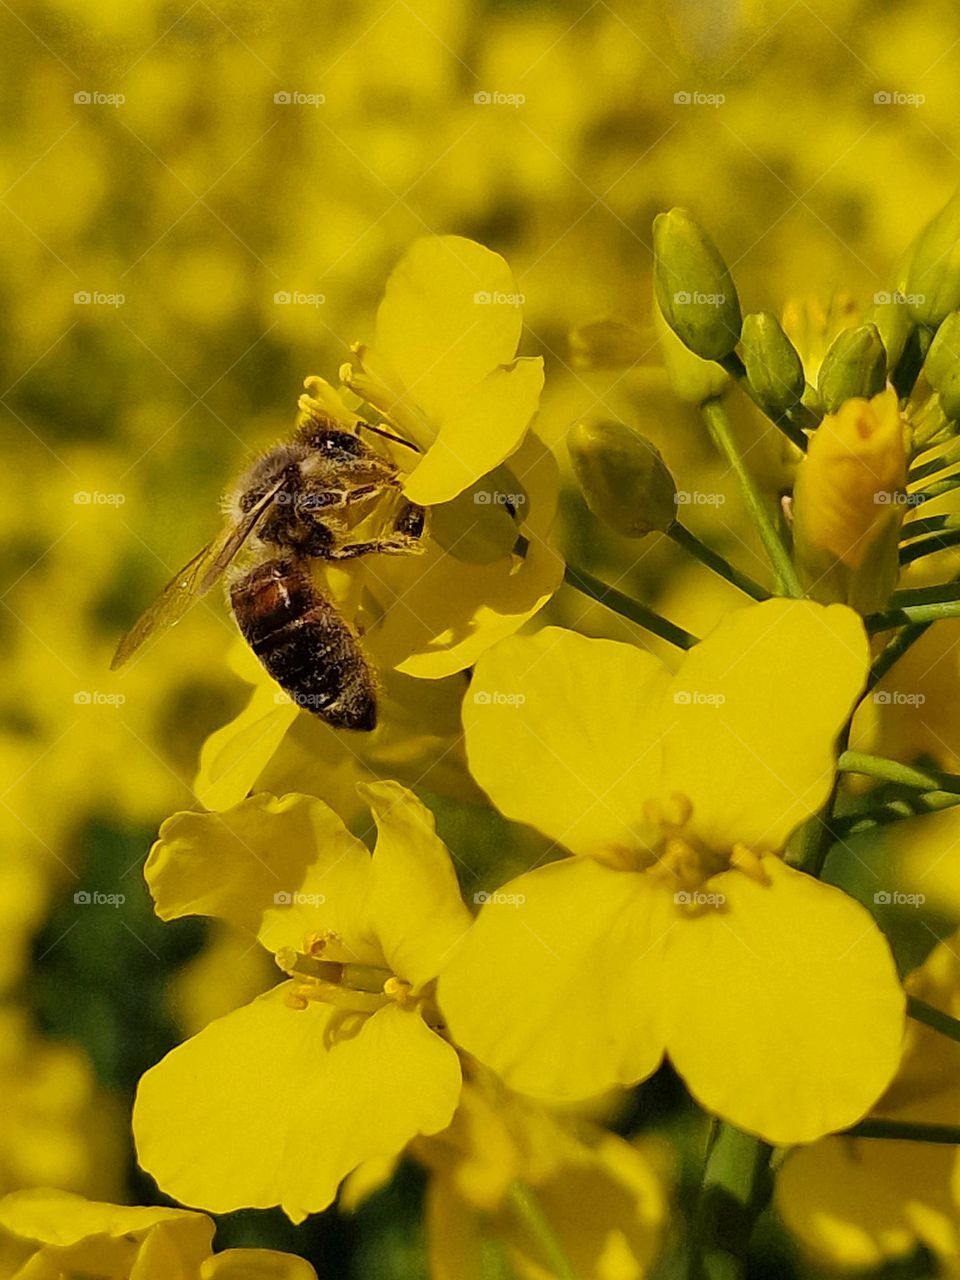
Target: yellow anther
[(296, 999), (677, 810), (749, 862), (398, 990)]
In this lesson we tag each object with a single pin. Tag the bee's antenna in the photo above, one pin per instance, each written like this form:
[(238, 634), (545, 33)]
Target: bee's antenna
[(388, 435)]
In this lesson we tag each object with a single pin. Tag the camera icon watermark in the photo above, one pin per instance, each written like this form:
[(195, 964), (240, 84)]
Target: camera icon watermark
[(894, 98), (697, 898), (694, 98), (294, 98), (483, 298), (94, 498), (498, 899), (95, 898), (684, 298), (294, 898), (95, 698), (898, 498), (93, 98), (895, 898), (493, 497), (898, 698), (884, 298), (97, 298), (698, 498), (495, 98), (497, 698), (295, 298), (697, 698)]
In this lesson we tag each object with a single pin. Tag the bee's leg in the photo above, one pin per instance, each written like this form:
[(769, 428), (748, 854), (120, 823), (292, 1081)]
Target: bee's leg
[(396, 544)]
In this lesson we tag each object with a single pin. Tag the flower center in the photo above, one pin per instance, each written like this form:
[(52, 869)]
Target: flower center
[(359, 988), (685, 864)]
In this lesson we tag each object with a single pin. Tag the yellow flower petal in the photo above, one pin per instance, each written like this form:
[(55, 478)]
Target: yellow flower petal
[(786, 1013), (454, 1238), (365, 1181), (415, 909), (265, 859), (438, 614), (561, 733), (860, 1203), (559, 984), (160, 1257), (434, 326), (60, 1218), (234, 756), (272, 1105), (751, 719), (608, 1211), (256, 1264), (480, 429)]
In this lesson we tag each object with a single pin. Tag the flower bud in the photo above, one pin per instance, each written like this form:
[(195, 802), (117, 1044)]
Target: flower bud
[(854, 367), (950, 394), (693, 286), (774, 369), (847, 503), (893, 323), (693, 380), (932, 280), (624, 480), (606, 344), (944, 354)]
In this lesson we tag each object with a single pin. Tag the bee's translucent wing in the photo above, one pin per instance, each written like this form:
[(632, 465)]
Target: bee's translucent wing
[(194, 580)]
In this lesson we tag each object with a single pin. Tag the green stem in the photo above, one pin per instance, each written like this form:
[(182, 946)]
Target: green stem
[(685, 538), (912, 616), (894, 650), (894, 771), (736, 1185), (943, 460), (934, 1018), (928, 524), (527, 1210), (929, 546), (791, 423), (905, 1131), (894, 811), (937, 490), (763, 516), (939, 593), (627, 607)]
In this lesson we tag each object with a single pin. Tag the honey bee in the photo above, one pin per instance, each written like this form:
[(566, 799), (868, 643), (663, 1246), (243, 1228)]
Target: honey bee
[(324, 495)]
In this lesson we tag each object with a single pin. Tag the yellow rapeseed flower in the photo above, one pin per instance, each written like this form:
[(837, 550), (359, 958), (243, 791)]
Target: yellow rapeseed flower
[(443, 364), (860, 1202), (275, 1103), (677, 929), (849, 503), (58, 1235)]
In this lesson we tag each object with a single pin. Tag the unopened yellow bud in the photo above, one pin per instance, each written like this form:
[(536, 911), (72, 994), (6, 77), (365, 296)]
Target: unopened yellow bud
[(624, 479), (693, 286), (848, 503), (855, 366)]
